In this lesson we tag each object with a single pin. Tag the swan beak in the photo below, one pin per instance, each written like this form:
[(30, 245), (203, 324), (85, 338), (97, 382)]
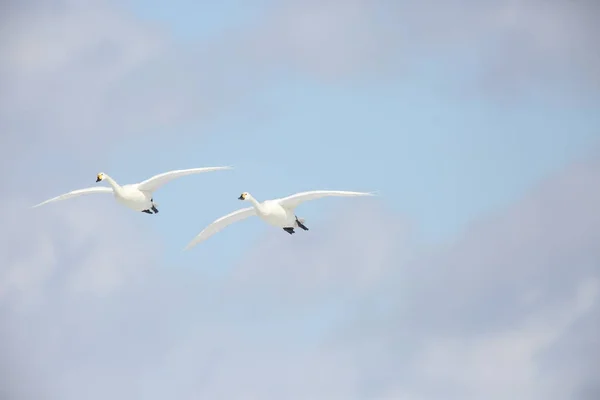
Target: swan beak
[(98, 179), (241, 197)]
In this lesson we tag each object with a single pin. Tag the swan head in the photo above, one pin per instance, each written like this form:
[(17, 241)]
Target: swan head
[(100, 177), (244, 196)]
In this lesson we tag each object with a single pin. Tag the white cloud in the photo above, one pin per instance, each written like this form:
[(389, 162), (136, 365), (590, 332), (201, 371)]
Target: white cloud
[(87, 252), (505, 364), (58, 66), (386, 320), (59, 63)]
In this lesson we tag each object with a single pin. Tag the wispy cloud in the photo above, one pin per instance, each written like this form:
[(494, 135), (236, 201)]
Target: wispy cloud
[(511, 44), (366, 313), (74, 72)]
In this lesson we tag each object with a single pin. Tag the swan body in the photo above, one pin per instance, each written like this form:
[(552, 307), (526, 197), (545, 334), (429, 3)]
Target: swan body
[(275, 214), (279, 213), (132, 197), (136, 196)]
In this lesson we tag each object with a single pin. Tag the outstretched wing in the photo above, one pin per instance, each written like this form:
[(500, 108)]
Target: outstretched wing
[(157, 181), (75, 193), (295, 200), (221, 223)]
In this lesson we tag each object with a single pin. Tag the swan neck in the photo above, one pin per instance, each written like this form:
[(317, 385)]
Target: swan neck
[(254, 202), (112, 183)]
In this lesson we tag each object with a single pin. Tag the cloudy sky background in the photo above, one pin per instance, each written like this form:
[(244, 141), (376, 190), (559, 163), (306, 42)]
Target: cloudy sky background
[(473, 276)]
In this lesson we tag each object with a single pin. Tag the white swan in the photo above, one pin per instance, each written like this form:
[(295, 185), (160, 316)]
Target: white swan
[(278, 212), (137, 196)]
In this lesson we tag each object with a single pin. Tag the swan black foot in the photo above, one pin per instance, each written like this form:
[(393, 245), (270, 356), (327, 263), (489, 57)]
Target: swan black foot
[(289, 230), (154, 209), (147, 211), (301, 225)]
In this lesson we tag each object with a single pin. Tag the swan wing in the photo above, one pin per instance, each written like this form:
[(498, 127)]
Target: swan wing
[(295, 200), (221, 223), (157, 181), (76, 193)]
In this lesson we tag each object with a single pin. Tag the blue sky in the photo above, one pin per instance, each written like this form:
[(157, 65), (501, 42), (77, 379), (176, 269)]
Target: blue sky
[(188, 19), (469, 277), (440, 157)]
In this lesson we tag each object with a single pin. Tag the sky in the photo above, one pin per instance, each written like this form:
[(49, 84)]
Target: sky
[(473, 274)]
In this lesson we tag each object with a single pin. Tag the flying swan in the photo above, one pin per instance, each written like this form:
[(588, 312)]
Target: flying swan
[(278, 212), (137, 196)]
